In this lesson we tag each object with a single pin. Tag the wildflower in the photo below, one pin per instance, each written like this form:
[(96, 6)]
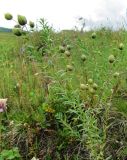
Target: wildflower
[(68, 47), (17, 31), (34, 158), (69, 68), (22, 20), (90, 81), (61, 49), (8, 16), (121, 46), (3, 103), (83, 86), (83, 57), (67, 53), (93, 35), (49, 110), (31, 24), (111, 58), (95, 86), (116, 74), (91, 90)]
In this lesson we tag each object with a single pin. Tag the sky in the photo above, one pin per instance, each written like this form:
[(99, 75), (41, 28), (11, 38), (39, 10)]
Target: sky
[(64, 14)]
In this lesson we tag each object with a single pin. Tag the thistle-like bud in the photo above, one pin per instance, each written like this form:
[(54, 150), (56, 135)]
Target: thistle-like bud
[(17, 31), (116, 74), (93, 35), (69, 68), (83, 57), (31, 24), (22, 20), (95, 86), (90, 81), (8, 16), (121, 46), (111, 58), (67, 53), (61, 49)]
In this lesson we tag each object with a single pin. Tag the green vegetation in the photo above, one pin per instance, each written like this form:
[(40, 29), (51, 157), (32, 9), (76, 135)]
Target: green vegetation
[(67, 94)]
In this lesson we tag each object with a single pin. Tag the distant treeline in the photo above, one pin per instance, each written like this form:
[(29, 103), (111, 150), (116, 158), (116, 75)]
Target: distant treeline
[(2, 29)]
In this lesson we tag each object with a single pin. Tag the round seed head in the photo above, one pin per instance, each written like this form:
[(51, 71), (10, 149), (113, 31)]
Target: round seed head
[(111, 58), (93, 35), (68, 47), (8, 16), (69, 67), (91, 90), (83, 58), (95, 86), (90, 81), (116, 74), (31, 24), (22, 20), (61, 49), (82, 86), (67, 53), (17, 31), (121, 46)]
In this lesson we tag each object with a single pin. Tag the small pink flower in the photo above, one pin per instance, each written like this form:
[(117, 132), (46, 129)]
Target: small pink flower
[(3, 103)]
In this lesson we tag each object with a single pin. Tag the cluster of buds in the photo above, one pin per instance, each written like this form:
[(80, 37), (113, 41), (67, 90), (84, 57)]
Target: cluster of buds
[(3, 105), (21, 22)]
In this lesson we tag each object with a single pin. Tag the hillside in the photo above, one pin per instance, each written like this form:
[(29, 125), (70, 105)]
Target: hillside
[(2, 29)]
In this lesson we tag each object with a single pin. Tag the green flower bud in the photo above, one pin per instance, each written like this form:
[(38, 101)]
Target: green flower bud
[(31, 24), (90, 81), (93, 35), (8, 16), (22, 20), (67, 53), (95, 86), (84, 86), (69, 68), (61, 49), (121, 46), (17, 31), (111, 58), (91, 90), (116, 74), (68, 47), (83, 57)]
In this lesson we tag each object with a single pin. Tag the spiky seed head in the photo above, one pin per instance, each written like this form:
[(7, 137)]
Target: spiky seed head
[(116, 74), (83, 57), (111, 58), (31, 24), (61, 49), (17, 31), (8, 16), (93, 35), (121, 46), (69, 67), (69, 47), (95, 86), (67, 53), (22, 20), (90, 81)]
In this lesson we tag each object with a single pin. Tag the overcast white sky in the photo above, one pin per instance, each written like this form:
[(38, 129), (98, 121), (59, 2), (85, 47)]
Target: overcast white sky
[(62, 14)]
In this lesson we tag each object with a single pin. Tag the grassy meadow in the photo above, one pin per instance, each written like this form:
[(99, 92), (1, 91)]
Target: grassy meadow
[(66, 95)]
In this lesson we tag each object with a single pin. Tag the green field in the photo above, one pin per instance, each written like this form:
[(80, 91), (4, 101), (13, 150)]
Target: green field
[(67, 95)]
